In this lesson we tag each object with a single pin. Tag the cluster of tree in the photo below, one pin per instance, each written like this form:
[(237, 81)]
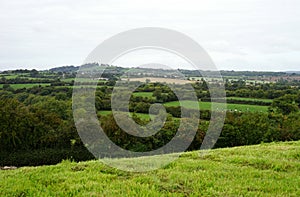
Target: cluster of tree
[(286, 104), (252, 73), (37, 126), (267, 91), (239, 129), (254, 128), (138, 72), (40, 124), (138, 144), (61, 93), (224, 73), (24, 80), (65, 69)]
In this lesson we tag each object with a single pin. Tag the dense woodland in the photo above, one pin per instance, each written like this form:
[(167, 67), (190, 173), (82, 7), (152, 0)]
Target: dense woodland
[(37, 126)]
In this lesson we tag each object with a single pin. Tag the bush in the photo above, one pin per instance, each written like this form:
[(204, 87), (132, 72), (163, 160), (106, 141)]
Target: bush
[(43, 156)]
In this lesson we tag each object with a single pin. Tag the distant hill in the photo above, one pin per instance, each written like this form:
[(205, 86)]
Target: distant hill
[(65, 69), (291, 72)]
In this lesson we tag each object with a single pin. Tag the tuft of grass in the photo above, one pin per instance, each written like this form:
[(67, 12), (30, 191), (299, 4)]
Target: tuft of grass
[(261, 170)]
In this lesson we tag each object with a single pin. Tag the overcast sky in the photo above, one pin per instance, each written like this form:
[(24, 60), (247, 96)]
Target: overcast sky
[(237, 34)]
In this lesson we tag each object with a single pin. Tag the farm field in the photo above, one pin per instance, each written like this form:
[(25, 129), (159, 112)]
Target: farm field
[(140, 115), (160, 80), (10, 76), (150, 94), (27, 85), (194, 79), (251, 99), (27, 76), (143, 94), (145, 117), (81, 80), (233, 107), (260, 170), (68, 79)]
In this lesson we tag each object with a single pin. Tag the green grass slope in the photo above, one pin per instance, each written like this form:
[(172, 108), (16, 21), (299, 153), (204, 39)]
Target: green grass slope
[(261, 170)]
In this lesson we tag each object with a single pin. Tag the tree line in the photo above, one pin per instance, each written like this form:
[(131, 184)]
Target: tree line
[(37, 125)]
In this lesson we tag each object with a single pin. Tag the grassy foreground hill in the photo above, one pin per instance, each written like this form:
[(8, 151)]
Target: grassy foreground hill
[(261, 170)]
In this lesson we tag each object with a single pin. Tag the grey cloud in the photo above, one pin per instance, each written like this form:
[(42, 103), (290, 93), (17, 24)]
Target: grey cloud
[(253, 33)]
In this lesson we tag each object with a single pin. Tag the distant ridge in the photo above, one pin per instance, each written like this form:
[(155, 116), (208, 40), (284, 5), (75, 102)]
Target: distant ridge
[(290, 72), (65, 69)]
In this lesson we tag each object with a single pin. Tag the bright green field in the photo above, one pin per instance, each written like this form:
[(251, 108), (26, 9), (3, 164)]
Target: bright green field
[(251, 99), (82, 80), (207, 106), (145, 117), (10, 76), (68, 79), (261, 170), (140, 115), (27, 85), (143, 94), (104, 113)]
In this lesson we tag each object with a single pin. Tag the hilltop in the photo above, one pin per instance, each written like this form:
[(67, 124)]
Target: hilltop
[(260, 170)]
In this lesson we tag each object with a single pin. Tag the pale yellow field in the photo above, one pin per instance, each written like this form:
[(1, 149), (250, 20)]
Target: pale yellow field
[(160, 80)]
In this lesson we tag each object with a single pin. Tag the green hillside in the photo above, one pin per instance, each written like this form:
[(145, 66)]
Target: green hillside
[(260, 170)]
